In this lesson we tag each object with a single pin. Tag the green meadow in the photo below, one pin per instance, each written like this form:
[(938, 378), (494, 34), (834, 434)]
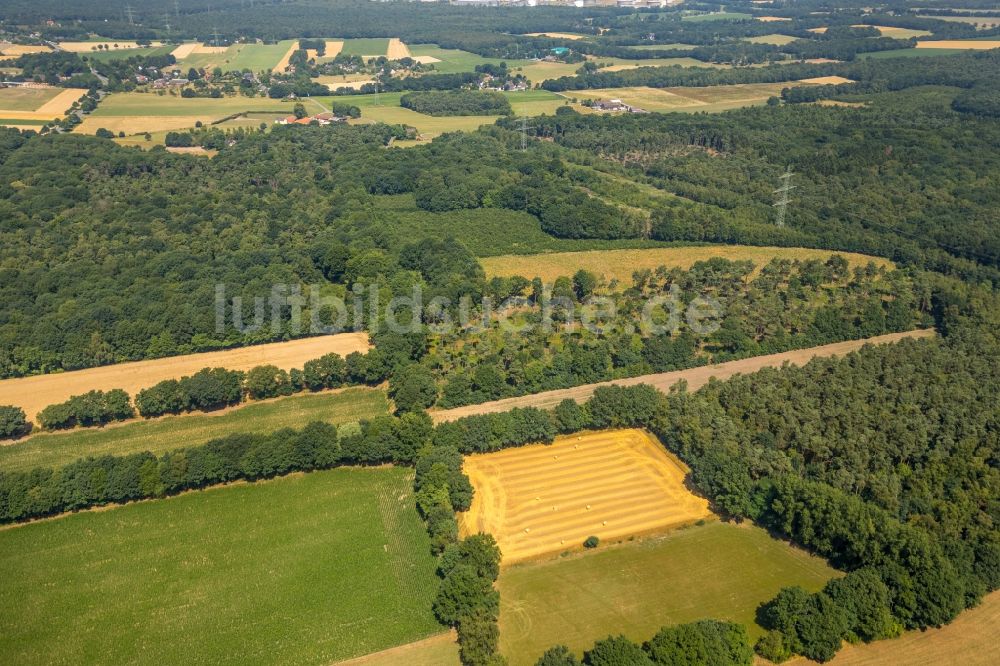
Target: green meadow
[(306, 569)]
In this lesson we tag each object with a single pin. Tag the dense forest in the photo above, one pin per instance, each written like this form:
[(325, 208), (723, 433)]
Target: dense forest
[(457, 103), (152, 234)]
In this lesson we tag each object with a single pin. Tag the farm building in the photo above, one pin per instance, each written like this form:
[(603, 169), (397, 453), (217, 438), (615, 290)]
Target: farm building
[(616, 105)]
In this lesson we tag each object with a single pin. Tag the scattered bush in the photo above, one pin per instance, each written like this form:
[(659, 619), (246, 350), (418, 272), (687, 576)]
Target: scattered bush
[(13, 422)]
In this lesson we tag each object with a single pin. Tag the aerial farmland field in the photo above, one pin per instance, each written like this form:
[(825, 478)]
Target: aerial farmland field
[(135, 113), (306, 569), (543, 499), (621, 264), (448, 61), (716, 570), (255, 57), (172, 432), (709, 98), (34, 393), (370, 47), (35, 105)]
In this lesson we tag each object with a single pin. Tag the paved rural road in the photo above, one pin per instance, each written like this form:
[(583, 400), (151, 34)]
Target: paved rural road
[(696, 377)]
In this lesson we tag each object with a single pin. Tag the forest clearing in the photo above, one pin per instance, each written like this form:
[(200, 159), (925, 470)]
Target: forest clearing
[(36, 392), (543, 499), (621, 264)]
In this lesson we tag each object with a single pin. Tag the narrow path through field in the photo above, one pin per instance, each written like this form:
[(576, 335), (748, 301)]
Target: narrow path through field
[(695, 377)]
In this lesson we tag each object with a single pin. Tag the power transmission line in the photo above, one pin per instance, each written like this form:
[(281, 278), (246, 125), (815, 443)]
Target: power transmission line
[(130, 14), (782, 203)]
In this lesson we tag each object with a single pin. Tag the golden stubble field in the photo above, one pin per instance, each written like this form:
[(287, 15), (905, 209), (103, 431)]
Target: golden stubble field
[(620, 264), (32, 394), (41, 103), (543, 499)]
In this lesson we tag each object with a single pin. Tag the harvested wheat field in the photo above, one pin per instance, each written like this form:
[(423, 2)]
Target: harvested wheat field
[(39, 104), (620, 264), (827, 80), (111, 45), (973, 44), (895, 33), (772, 19), (554, 35), (543, 499), (32, 394), (283, 63), (397, 49), (334, 47), (184, 50), (15, 50), (138, 124)]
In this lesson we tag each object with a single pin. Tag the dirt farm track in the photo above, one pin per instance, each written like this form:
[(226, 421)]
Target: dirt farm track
[(695, 377), (32, 394)]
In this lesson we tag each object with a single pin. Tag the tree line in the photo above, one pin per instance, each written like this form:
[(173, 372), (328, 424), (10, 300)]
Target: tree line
[(207, 390)]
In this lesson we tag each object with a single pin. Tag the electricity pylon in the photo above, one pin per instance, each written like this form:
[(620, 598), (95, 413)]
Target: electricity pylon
[(782, 203)]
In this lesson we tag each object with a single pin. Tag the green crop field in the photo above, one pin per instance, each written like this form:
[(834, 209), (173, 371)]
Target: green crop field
[(152, 104), (172, 432), (716, 570), (454, 60), (375, 46), (910, 53), (305, 569), (255, 57), (525, 102), (258, 57), (121, 54)]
